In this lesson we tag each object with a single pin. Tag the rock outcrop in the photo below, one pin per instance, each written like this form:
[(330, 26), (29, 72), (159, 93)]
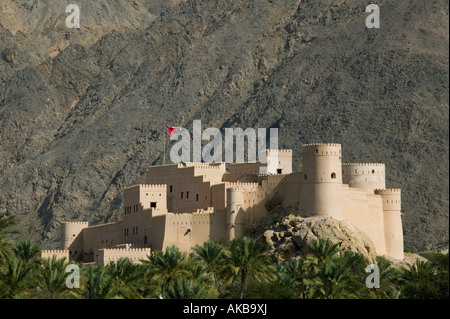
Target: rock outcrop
[(8, 55), (288, 234)]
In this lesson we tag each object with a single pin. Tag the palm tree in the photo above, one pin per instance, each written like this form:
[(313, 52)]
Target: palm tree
[(333, 276), (418, 281), (248, 257), (323, 250), (14, 278), (283, 286), (355, 261), (6, 222), (168, 266), (126, 277), (296, 269), (331, 282), (200, 273), (388, 278), (51, 280), (212, 255), (189, 289), (27, 251), (414, 271), (97, 283), (356, 265)]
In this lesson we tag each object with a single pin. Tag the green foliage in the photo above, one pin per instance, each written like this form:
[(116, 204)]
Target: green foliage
[(190, 289), (248, 258), (6, 230), (28, 251), (15, 278), (213, 256), (426, 280), (50, 281), (168, 266), (244, 268), (97, 284), (126, 278)]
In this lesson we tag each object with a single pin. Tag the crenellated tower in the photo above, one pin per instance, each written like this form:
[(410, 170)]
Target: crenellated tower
[(72, 238), (321, 180), (70, 232), (235, 213), (393, 229), (367, 176)]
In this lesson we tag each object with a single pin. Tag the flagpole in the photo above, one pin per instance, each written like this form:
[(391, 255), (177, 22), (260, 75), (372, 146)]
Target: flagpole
[(164, 130)]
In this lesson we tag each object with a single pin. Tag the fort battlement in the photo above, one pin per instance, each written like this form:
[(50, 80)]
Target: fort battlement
[(55, 251), (199, 215), (388, 191), (244, 187), (86, 224), (321, 149), (59, 253), (131, 250), (213, 166), (241, 184), (364, 164), (279, 151), (321, 144), (273, 175), (151, 186), (202, 165)]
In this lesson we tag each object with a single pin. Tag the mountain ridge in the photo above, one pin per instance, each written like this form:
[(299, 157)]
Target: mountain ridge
[(82, 111)]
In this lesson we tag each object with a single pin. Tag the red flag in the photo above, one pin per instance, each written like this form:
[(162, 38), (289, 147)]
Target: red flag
[(173, 130)]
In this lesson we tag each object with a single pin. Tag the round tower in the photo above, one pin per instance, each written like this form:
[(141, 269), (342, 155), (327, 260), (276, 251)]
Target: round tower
[(367, 176), (70, 232), (321, 193), (235, 218), (393, 229)]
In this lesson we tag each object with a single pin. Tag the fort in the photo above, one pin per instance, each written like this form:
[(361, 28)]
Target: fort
[(190, 203)]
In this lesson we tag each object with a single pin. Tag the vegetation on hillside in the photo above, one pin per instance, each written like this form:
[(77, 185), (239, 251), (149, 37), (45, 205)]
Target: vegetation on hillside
[(240, 269)]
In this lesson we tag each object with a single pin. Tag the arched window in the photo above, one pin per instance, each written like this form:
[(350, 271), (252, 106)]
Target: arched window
[(333, 175), (373, 171)]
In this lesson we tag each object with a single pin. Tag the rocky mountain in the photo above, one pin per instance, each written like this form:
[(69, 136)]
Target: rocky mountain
[(82, 111)]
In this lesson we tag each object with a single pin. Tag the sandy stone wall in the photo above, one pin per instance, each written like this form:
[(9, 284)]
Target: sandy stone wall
[(62, 253), (107, 255), (188, 204)]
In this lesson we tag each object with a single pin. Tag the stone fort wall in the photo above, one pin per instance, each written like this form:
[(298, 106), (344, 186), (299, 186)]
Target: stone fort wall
[(188, 204), (185, 230), (107, 255), (59, 253)]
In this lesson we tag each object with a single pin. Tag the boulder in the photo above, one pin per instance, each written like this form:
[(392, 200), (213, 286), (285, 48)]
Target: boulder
[(291, 236), (8, 55)]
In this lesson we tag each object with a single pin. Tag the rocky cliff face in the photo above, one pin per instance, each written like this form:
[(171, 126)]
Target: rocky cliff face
[(82, 111)]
